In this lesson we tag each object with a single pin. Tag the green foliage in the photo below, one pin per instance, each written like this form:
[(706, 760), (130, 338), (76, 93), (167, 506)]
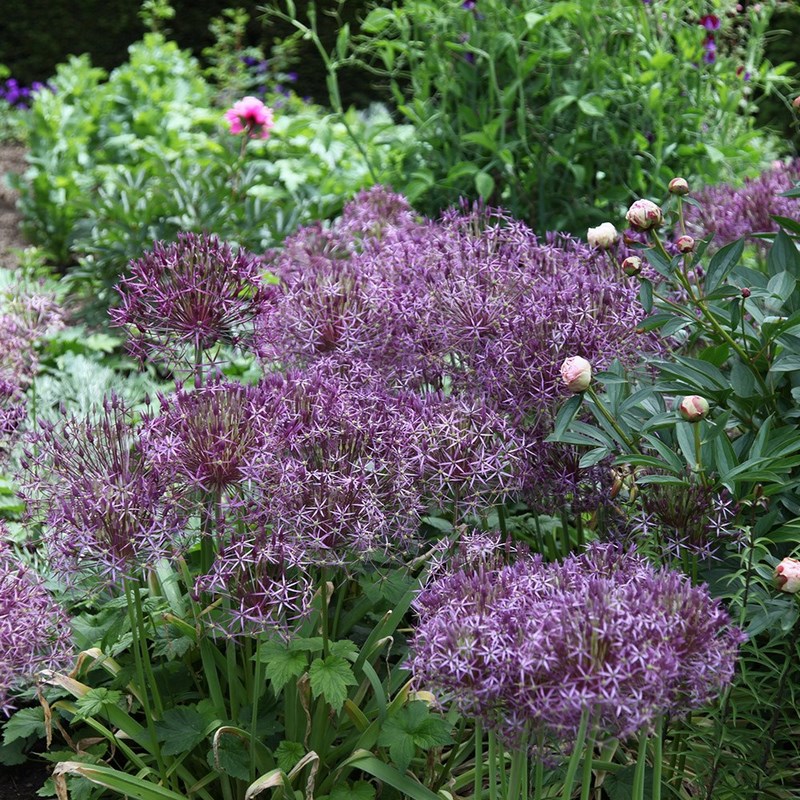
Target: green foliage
[(730, 332), (558, 113), (119, 164), (412, 727)]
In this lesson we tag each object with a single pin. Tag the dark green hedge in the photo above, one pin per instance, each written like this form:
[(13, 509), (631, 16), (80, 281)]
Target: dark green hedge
[(38, 34)]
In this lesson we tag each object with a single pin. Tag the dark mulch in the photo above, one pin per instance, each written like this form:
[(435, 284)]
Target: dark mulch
[(22, 782)]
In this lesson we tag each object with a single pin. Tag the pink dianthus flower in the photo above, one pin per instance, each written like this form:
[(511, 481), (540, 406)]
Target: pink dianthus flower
[(250, 115)]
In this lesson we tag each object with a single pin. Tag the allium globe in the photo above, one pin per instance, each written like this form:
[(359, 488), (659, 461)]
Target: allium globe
[(34, 630), (183, 299), (535, 647)]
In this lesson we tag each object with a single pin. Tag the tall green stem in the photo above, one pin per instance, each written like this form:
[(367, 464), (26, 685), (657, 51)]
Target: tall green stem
[(658, 757), (575, 758), (639, 772), (611, 421)]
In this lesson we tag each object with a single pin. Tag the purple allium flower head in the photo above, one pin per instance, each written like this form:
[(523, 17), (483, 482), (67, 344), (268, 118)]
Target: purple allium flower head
[(475, 303), (686, 518), (34, 630), (13, 412), (709, 49), (104, 508), (730, 213), (539, 645), (710, 22), (201, 440), (183, 299), (342, 467), (265, 581)]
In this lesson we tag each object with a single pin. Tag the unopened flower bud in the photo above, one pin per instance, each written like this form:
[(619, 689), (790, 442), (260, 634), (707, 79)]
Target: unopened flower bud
[(787, 575), (632, 265), (796, 102), (603, 236), (576, 372), (644, 215), (678, 186), (693, 408), (685, 244), (746, 293)]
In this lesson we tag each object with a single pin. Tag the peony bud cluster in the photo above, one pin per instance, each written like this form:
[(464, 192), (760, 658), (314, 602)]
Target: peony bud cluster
[(644, 215), (603, 236), (693, 408), (576, 373)]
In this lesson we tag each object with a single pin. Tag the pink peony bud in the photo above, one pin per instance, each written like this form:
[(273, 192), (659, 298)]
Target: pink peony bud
[(250, 115), (643, 215), (685, 244), (678, 186), (693, 408), (746, 293), (787, 575), (632, 265), (796, 102), (576, 372), (603, 236)]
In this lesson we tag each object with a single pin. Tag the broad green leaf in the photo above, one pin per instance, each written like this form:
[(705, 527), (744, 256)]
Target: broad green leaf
[(288, 754), (723, 261), (24, 723), (407, 786), (180, 730), (233, 755), (484, 183), (565, 416), (361, 790), (281, 664), (412, 727), (120, 782), (330, 678), (94, 702)]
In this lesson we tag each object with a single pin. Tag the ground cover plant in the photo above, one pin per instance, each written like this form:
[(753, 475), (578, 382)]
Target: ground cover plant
[(401, 505)]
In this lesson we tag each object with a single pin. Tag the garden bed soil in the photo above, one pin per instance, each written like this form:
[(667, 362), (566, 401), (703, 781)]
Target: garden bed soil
[(22, 782), (12, 159)]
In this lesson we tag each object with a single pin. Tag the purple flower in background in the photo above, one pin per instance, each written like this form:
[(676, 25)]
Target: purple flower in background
[(540, 645), (730, 212), (709, 50), (710, 22), (184, 299), (34, 630), (104, 509)]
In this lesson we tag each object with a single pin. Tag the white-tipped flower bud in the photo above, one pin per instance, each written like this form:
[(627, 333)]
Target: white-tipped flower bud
[(632, 266), (644, 215), (576, 372), (693, 408), (679, 186), (685, 244), (787, 575), (603, 236)]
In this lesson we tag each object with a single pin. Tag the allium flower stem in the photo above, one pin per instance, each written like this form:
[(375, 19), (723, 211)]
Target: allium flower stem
[(477, 790), (323, 599), (140, 655), (575, 758), (493, 771), (259, 680), (588, 758), (638, 775), (658, 757)]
